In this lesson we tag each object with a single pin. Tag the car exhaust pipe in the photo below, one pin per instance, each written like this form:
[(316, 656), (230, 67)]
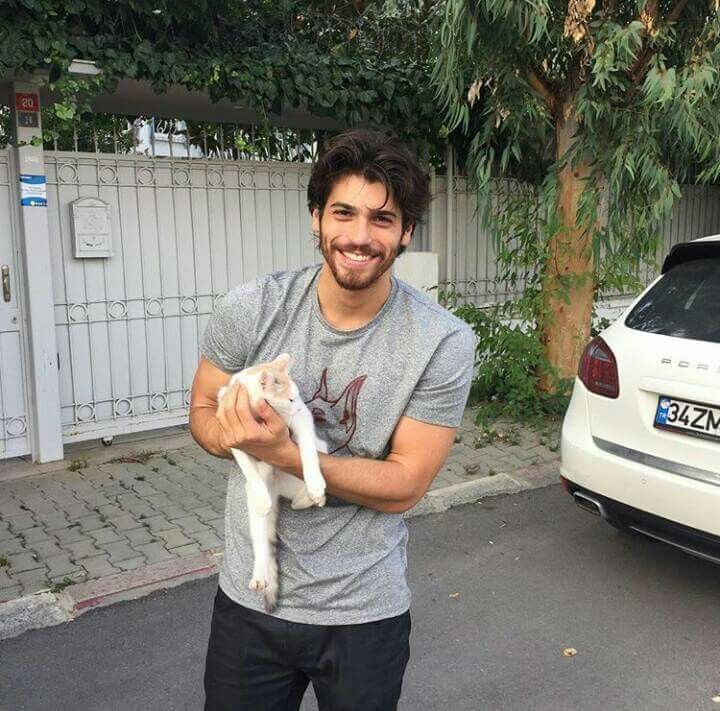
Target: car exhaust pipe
[(589, 503)]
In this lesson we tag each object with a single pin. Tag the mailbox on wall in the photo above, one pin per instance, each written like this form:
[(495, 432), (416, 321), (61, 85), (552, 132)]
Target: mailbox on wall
[(91, 227)]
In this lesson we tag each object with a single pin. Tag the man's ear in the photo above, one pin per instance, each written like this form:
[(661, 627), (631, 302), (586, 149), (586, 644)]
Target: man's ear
[(407, 235), (315, 219)]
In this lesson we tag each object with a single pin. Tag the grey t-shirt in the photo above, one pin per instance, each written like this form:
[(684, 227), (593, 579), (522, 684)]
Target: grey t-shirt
[(344, 563)]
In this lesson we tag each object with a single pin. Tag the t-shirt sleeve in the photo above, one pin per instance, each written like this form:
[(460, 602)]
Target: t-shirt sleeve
[(441, 394), (229, 334)]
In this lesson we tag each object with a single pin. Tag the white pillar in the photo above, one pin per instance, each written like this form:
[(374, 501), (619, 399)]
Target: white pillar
[(39, 310)]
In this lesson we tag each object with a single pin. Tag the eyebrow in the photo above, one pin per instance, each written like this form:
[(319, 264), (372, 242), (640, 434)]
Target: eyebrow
[(352, 208)]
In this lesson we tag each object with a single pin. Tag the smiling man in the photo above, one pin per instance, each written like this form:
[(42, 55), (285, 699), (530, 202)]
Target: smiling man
[(386, 373)]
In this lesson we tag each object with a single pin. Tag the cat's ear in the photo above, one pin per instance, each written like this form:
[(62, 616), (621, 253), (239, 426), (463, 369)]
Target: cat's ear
[(283, 361), (266, 379)]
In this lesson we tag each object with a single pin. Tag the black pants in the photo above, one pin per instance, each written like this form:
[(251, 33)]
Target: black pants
[(256, 662)]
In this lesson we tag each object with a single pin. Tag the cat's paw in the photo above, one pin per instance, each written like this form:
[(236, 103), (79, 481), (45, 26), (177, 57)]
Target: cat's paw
[(258, 584), (316, 491), (302, 501)]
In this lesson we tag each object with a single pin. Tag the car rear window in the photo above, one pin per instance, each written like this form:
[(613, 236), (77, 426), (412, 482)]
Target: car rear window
[(685, 303)]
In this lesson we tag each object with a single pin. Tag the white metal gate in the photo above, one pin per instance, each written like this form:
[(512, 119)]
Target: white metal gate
[(14, 438), (184, 232)]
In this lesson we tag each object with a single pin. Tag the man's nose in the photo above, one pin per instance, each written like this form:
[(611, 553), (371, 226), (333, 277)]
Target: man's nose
[(362, 234)]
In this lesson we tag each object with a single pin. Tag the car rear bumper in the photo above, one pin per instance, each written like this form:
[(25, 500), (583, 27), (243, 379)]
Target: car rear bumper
[(690, 540), (673, 496)]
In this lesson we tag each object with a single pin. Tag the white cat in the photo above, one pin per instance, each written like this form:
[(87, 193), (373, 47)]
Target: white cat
[(263, 483)]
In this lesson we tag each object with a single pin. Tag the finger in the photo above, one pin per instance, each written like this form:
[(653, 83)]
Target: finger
[(245, 414), (270, 416)]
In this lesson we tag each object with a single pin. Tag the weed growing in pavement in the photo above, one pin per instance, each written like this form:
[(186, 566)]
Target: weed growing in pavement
[(59, 587), (141, 457), (169, 460), (4, 562), (76, 465)]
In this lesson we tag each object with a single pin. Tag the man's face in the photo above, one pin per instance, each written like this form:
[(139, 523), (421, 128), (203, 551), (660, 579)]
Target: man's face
[(360, 231)]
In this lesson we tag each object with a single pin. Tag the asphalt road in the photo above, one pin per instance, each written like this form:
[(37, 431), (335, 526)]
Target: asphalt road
[(500, 589)]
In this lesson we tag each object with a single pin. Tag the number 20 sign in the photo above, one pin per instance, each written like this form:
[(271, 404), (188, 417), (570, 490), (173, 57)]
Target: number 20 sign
[(27, 102)]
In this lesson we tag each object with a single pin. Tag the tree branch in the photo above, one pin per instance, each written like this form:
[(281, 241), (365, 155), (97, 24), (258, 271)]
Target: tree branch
[(638, 69), (542, 88)]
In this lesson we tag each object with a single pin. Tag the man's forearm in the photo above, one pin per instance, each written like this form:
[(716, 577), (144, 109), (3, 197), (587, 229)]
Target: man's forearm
[(383, 485), (206, 430)]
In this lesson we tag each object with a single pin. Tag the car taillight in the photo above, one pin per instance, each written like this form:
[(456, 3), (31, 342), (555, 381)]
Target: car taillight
[(598, 369)]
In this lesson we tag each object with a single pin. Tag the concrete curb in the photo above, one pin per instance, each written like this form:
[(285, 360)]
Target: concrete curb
[(45, 609)]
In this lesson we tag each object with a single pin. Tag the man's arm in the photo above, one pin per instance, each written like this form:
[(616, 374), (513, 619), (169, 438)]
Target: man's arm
[(204, 425), (393, 485), (417, 449)]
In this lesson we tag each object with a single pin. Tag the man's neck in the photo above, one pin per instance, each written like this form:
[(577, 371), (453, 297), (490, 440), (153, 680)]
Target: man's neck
[(347, 310)]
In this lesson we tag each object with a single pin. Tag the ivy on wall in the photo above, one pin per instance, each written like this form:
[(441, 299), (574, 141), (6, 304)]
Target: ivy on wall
[(361, 64)]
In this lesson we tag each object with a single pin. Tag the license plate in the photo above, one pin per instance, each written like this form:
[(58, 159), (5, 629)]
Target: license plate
[(692, 418)]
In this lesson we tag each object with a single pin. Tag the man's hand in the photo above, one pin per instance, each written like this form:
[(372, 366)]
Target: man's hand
[(261, 434)]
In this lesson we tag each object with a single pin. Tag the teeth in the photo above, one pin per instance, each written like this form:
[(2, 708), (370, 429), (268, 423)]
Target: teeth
[(357, 257)]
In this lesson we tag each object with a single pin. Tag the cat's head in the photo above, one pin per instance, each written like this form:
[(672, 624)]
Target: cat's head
[(273, 383)]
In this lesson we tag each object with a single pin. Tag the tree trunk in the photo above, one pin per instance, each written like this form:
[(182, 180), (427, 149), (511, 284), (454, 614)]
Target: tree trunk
[(568, 282)]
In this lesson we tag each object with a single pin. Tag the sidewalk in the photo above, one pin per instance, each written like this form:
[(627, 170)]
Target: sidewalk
[(112, 523)]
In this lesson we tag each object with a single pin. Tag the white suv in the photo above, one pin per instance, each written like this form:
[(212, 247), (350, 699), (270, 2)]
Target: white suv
[(641, 437)]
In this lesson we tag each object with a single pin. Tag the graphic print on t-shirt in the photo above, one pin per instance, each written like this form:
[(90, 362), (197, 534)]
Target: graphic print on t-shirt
[(340, 413)]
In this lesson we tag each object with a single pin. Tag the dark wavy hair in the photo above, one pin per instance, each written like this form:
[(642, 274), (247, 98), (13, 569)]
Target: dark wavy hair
[(378, 159)]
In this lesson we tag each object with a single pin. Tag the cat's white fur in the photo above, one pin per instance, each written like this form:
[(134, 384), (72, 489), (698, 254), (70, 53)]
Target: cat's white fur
[(263, 483)]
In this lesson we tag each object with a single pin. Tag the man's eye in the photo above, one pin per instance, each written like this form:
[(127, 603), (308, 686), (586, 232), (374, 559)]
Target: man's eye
[(382, 218)]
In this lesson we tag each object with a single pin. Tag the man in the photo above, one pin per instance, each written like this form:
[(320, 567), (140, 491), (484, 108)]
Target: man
[(386, 373)]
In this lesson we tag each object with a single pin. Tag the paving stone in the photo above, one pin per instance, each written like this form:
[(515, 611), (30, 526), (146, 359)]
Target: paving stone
[(131, 563), (60, 565), (157, 523), (218, 524), (138, 536), (82, 549), (21, 522), (22, 562), (98, 566), (119, 551), (154, 552), (76, 511), (204, 513), (48, 548), (53, 522), (173, 538), (91, 523), (33, 580), (190, 549), (123, 522), (10, 593), (173, 511), (35, 534), (190, 524), (96, 500), (10, 507), (105, 535), (207, 540), (13, 546), (71, 534), (5, 580), (110, 510)]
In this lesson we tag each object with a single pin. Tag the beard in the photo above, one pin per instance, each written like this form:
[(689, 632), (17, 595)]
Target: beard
[(349, 278)]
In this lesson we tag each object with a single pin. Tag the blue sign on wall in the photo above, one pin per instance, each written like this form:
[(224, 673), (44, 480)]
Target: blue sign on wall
[(33, 190)]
